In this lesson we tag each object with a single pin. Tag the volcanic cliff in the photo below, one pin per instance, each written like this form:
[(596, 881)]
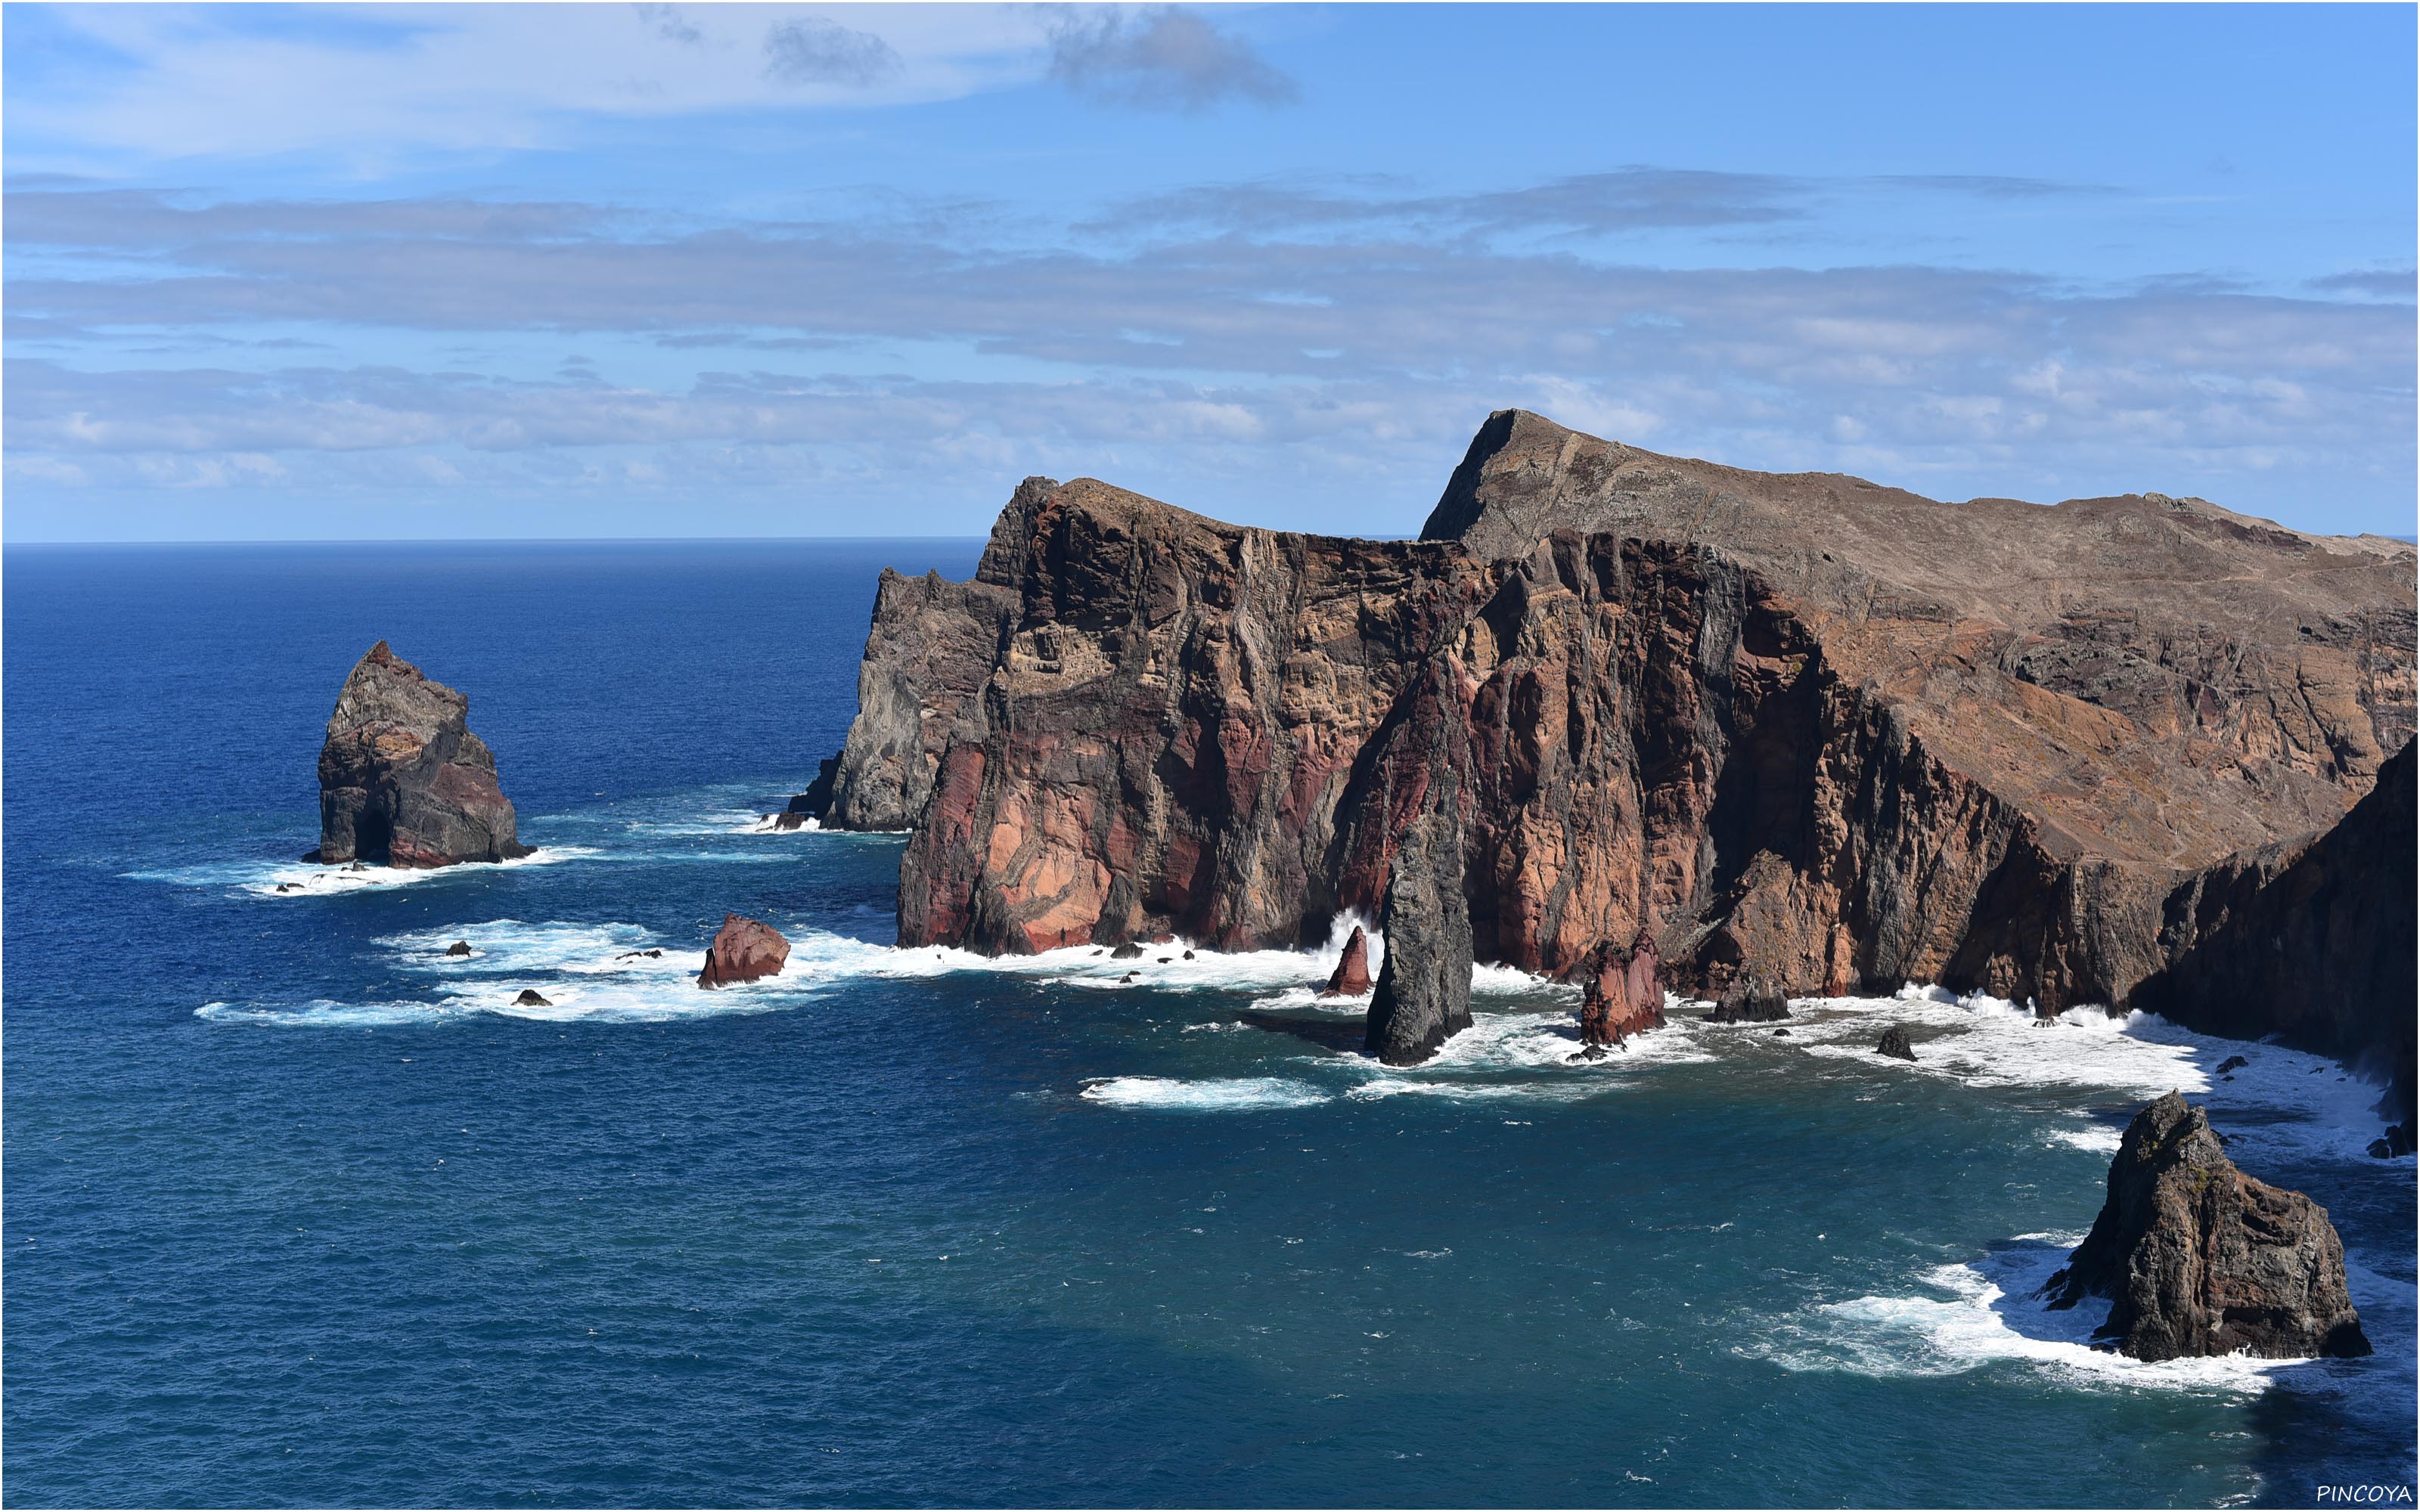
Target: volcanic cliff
[(1801, 729)]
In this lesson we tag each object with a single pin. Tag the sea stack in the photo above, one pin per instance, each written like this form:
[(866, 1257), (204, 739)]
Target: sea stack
[(2202, 1259), (1623, 995), (744, 949), (1352, 975), (402, 779)]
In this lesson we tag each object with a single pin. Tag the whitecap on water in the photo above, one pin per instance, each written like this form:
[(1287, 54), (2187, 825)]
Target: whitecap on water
[(1969, 1316), (305, 879), (1211, 1095)]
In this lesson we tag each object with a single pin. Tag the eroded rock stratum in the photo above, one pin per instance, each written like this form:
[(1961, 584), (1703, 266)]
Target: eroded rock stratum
[(1803, 730)]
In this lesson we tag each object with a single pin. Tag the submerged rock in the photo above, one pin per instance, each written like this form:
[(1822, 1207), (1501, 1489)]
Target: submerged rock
[(1749, 1002), (1895, 1044), (744, 949), (1351, 978), (530, 998), (2202, 1259), (458, 948), (1623, 995), (403, 780), (2232, 1063)]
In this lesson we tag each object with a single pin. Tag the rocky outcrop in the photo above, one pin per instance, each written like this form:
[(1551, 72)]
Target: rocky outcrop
[(1423, 992), (1895, 1044), (1824, 735), (1622, 994), (2202, 1259), (402, 779), (1749, 1002), (744, 949), (458, 948), (2310, 940), (531, 997), (1351, 978)]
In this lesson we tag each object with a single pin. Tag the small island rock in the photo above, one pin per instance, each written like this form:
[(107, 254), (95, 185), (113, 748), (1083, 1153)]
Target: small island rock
[(1895, 1044), (530, 998), (402, 779), (458, 948), (2202, 1259), (1351, 978), (1749, 1002), (744, 949)]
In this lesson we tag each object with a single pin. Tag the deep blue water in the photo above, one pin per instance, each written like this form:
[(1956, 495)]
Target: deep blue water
[(298, 1213)]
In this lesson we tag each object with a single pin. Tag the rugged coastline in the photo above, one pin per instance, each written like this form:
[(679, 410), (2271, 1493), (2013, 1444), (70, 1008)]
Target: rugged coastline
[(1803, 730)]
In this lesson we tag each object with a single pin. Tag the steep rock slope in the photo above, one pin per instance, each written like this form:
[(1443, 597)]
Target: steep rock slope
[(1800, 729)]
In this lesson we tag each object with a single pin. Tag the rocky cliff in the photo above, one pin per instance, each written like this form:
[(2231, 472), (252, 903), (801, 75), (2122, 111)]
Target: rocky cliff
[(1801, 729), (402, 779), (2201, 1259)]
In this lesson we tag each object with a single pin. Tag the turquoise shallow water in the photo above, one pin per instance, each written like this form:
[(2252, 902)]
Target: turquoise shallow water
[(299, 1213)]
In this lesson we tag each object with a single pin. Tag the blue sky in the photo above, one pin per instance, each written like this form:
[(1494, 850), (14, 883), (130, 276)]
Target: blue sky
[(294, 273)]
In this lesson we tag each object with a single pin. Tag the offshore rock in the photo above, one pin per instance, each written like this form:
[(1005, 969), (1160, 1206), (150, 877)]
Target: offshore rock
[(1894, 1045), (744, 949), (1423, 998), (458, 948), (403, 780), (1826, 735), (1622, 994), (2202, 1259), (530, 998), (1351, 978), (1749, 1002)]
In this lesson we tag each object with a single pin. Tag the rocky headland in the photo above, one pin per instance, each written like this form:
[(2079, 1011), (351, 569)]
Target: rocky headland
[(402, 779), (1804, 730), (2202, 1259)]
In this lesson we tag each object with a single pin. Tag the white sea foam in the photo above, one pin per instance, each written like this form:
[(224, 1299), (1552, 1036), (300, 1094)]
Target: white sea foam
[(1986, 1314), (2103, 1140), (509, 944), (1210, 1095), (305, 879)]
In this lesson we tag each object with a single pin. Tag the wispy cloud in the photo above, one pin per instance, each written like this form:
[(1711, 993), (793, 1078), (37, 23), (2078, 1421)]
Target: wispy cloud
[(815, 51), (1162, 57)]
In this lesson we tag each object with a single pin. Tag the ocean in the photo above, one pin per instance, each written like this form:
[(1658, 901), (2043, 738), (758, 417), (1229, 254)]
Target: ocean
[(301, 1210)]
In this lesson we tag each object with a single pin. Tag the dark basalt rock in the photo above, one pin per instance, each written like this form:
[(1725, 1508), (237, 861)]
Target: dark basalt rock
[(1128, 952), (1895, 1044), (1822, 734), (744, 949), (458, 948), (1351, 978), (2202, 1259), (1780, 1034), (1622, 994), (1749, 1002), (403, 780), (530, 998), (2232, 1063), (1423, 998), (637, 956), (2394, 1143)]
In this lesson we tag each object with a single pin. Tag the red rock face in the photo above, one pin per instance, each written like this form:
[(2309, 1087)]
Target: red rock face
[(1351, 978), (1819, 734), (1623, 995), (744, 949)]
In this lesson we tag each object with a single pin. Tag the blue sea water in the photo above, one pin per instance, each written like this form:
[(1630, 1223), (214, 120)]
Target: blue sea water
[(302, 1211)]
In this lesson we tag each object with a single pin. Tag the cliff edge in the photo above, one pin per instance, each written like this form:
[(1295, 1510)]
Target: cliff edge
[(1801, 729)]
